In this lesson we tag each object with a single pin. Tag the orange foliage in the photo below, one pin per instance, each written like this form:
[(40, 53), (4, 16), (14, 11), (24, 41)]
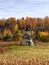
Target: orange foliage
[(43, 34), (11, 20), (7, 31)]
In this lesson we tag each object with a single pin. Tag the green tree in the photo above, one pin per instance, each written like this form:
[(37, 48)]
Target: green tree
[(17, 35)]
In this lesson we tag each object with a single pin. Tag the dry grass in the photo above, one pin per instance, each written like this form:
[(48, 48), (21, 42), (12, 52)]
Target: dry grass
[(24, 61), (25, 55)]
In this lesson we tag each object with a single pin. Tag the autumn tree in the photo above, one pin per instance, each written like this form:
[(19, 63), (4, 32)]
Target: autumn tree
[(31, 23), (17, 35), (10, 23), (43, 36), (27, 22), (11, 20), (2, 25), (15, 27), (34, 25), (46, 20), (23, 23), (7, 35)]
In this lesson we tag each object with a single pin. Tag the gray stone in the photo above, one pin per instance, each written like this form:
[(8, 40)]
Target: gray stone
[(23, 43), (31, 43)]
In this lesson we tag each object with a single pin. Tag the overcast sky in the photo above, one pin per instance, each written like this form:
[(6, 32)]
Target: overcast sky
[(23, 8)]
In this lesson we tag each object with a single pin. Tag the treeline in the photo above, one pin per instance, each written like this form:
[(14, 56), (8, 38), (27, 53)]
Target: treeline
[(11, 29)]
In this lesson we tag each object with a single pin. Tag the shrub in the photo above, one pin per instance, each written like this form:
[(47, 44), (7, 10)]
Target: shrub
[(32, 33), (43, 36), (8, 37), (17, 36)]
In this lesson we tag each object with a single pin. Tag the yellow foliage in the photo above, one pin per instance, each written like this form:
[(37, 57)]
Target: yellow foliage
[(20, 38), (17, 35), (16, 27), (43, 34), (7, 31), (32, 32)]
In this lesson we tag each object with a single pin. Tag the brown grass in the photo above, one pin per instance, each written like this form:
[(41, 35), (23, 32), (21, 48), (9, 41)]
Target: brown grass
[(23, 61), (25, 55)]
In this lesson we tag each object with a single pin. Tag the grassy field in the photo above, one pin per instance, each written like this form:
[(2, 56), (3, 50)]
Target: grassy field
[(25, 55)]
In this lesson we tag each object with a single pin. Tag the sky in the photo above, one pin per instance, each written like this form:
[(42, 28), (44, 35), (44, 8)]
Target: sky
[(24, 8)]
